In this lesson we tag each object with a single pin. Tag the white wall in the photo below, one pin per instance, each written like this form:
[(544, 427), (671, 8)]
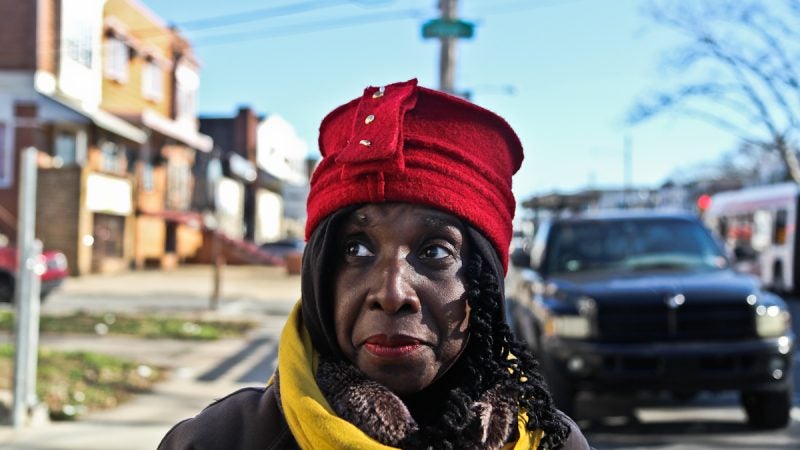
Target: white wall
[(269, 216), (81, 26), (230, 207), (280, 151)]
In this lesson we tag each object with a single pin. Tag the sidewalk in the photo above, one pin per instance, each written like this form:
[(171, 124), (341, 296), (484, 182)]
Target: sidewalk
[(262, 293), (244, 290)]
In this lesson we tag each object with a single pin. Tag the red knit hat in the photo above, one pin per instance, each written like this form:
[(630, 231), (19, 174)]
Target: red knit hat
[(404, 143)]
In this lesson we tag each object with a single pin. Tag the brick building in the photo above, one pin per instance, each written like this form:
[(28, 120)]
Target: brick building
[(274, 200), (50, 93), (112, 111), (235, 139)]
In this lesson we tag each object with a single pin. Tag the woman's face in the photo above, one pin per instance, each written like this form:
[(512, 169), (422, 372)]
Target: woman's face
[(400, 309)]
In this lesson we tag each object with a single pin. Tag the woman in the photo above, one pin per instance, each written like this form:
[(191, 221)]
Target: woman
[(399, 339)]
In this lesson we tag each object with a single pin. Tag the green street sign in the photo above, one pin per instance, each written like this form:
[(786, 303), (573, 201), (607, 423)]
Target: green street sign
[(443, 28)]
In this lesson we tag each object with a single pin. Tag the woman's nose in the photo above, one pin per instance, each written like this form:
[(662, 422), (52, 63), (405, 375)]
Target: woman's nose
[(392, 289)]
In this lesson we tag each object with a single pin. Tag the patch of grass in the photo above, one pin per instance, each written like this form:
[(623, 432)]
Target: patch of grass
[(73, 383), (147, 326)]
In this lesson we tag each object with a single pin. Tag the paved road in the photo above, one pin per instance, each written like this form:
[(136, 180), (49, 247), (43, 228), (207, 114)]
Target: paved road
[(708, 422), (205, 371)]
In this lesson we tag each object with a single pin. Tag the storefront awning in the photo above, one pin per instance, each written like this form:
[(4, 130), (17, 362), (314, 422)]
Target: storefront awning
[(175, 130), (116, 125), (102, 119)]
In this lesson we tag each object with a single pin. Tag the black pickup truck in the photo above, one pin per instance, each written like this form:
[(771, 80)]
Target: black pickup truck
[(648, 302)]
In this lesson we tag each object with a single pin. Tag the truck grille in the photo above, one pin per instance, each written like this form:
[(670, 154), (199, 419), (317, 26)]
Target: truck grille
[(691, 321)]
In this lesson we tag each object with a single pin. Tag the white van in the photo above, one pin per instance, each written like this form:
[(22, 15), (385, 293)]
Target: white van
[(758, 226)]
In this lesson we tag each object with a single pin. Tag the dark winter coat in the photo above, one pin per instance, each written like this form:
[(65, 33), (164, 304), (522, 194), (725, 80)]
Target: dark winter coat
[(251, 418)]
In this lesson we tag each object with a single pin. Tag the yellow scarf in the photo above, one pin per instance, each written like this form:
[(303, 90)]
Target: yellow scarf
[(313, 423)]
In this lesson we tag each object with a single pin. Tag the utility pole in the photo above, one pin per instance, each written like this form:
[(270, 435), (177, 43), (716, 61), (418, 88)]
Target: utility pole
[(213, 176), (447, 29), (26, 294), (447, 54), (627, 165)]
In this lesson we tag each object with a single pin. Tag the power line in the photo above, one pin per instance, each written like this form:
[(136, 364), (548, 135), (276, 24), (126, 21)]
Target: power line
[(255, 15), (522, 5), (308, 27), (241, 36)]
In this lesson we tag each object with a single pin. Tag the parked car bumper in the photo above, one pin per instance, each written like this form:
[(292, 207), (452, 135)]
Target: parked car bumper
[(689, 366)]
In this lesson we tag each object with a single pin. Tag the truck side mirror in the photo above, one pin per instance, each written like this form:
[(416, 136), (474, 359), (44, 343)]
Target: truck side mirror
[(520, 258)]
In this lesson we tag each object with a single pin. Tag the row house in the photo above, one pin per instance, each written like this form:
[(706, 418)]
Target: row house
[(151, 79), (282, 154), (107, 93), (271, 199), (238, 183)]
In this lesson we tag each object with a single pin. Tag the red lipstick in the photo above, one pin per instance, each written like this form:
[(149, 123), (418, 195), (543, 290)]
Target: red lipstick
[(391, 346)]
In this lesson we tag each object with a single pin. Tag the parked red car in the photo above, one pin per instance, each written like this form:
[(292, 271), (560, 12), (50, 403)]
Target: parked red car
[(55, 271)]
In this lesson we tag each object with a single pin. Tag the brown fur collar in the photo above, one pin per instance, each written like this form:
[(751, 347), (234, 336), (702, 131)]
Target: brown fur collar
[(373, 408)]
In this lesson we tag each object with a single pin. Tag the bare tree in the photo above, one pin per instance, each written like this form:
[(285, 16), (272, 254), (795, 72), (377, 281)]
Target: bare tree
[(747, 164), (737, 71)]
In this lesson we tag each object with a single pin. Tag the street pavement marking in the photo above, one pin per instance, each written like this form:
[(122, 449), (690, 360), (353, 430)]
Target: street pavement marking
[(260, 366), (256, 368), (228, 363)]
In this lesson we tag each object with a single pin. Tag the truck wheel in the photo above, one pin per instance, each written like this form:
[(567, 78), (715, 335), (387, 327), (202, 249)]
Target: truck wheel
[(768, 409)]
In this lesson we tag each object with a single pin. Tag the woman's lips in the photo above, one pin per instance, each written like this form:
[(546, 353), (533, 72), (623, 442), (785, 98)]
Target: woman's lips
[(391, 346)]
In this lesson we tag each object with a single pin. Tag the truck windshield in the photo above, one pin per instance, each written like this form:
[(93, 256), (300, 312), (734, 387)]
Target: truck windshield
[(632, 245)]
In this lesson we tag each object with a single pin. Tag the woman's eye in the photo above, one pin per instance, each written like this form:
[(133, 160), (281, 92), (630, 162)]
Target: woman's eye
[(357, 249), (435, 252)]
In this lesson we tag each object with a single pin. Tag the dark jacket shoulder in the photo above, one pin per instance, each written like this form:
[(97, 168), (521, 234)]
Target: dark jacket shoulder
[(576, 439), (249, 418)]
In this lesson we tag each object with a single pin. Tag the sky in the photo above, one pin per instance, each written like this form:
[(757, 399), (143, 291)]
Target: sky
[(563, 73)]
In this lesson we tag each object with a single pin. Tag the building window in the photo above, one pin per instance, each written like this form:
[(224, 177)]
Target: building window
[(66, 148), (113, 158), (116, 59), (152, 81), (187, 82), (6, 160), (179, 178), (148, 177), (78, 41)]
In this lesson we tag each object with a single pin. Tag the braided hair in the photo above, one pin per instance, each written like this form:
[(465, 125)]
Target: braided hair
[(493, 357)]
